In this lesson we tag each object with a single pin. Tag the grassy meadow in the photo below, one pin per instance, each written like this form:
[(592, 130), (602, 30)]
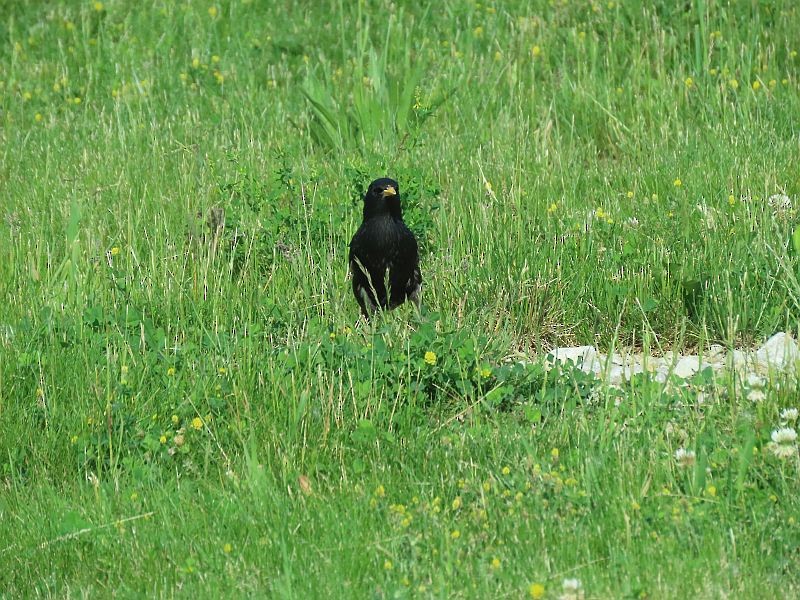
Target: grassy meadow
[(192, 409)]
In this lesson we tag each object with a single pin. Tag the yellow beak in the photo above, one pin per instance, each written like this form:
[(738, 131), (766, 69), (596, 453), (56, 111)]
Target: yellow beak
[(389, 191)]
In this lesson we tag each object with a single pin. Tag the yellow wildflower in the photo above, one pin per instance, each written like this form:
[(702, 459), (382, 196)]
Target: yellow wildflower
[(212, 12), (536, 51), (536, 590), (197, 423), (430, 358)]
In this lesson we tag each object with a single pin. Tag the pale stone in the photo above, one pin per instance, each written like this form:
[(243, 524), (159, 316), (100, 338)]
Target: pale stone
[(688, 366), (779, 351), (586, 355)]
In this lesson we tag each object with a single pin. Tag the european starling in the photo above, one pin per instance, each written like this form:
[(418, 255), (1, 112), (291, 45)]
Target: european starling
[(384, 245)]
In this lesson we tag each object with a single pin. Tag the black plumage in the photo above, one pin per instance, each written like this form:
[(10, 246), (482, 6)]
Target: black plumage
[(384, 252)]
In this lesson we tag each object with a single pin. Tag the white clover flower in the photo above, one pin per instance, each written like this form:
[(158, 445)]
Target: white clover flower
[(789, 415), (783, 442), (755, 381), (756, 395), (780, 202), (784, 435), (571, 589), (782, 450), (684, 458)]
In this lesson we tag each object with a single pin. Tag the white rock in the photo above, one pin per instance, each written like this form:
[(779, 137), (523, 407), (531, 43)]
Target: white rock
[(737, 359), (779, 351), (715, 353), (688, 366), (662, 374), (615, 374), (586, 355)]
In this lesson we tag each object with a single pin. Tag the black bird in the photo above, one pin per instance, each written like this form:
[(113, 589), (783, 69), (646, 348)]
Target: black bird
[(384, 245)]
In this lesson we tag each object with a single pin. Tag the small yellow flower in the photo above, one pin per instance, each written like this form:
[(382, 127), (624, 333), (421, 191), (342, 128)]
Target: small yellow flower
[(620, 90), (332, 335), (212, 12), (772, 83), (630, 194), (73, 439), (69, 25), (536, 591), (197, 423), (711, 490), (222, 370), (677, 182), (506, 470), (115, 251), (134, 497), (76, 100), (487, 486), (38, 117), (554, 453), (227, 548), (380, 492), (635, 506), (712, 72), (170, 371), (784, 81), (174, 419), (756, 85), (478, 31), (552, 208), (495, 563), (219, 77), (455, 534), (214, 59), (581, 35), (536, 51), (387, 565), (163, 439), (195, 63), (731, 200), (26, 96), (456, 503), (733, 83), (654, 197), (430, 358), (793, 54), (98, 6), (486, 372), (689, 82), (498, 55)]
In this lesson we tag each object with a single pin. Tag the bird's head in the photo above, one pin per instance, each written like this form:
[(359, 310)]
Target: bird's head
[(382, 197)]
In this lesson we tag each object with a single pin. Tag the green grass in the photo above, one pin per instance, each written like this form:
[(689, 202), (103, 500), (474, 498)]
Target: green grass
[(188, 414)]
